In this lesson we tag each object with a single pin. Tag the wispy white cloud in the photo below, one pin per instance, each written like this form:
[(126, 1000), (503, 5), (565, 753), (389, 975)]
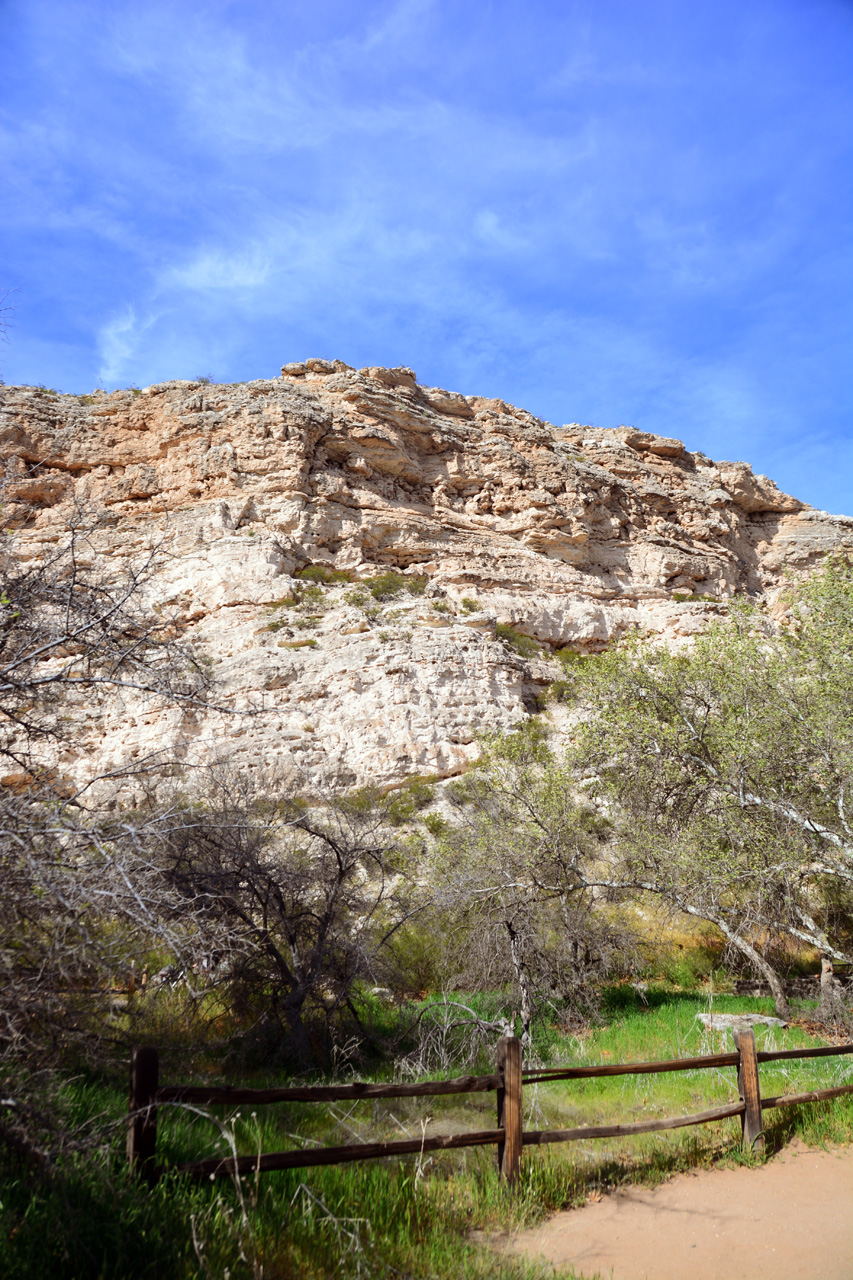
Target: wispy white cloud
[(217, 269), (118, 342)]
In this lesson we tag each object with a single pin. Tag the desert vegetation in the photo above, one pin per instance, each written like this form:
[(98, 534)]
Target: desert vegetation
[(591, 890)]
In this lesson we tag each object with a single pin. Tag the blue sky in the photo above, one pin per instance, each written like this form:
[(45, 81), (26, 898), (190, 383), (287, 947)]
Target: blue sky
[(603, 210)]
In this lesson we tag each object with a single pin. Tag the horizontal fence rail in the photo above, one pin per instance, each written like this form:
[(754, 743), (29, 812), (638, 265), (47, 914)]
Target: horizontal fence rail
[(797, 1099), (826, 1051), (509, 1136), (329, 1093), (338, 1155), (547, 1074), (535, 1076), (540, 1137)]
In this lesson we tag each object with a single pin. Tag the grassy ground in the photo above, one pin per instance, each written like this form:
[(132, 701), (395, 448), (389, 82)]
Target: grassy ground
[(406, 1218)]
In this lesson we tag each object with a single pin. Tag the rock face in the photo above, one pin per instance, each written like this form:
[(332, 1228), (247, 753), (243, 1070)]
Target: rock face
[(493, 518)]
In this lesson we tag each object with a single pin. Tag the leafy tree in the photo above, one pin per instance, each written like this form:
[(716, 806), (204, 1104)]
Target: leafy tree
[(730, 767), (515, 875)]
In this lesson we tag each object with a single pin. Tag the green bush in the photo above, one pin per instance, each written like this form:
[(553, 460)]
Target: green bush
[(684, 964), (417, 959), (386, 585), (322, 573), (469, 605), (435, 824), (414, 795), (570, 657), (523, 645), (312, 594), (566, 688)]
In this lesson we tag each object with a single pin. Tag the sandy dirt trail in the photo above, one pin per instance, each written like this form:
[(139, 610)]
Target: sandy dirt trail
[(791, 1219)]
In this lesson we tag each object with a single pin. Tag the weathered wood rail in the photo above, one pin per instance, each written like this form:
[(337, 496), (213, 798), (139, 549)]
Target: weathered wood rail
[(509, 1136)]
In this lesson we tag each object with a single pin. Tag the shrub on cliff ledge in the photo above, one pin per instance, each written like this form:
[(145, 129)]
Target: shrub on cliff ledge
[(323, 574), (390, 583), (524, 646)]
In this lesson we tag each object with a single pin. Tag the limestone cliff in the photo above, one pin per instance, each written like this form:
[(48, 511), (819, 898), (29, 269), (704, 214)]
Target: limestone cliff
[(568, 535)]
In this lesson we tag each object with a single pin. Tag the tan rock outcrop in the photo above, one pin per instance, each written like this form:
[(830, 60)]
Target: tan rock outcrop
[(569, 535)]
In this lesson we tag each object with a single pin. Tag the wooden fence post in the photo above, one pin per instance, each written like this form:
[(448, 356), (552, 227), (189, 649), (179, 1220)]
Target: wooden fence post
[(509, 1108), (142, 1121), (748, 1087)]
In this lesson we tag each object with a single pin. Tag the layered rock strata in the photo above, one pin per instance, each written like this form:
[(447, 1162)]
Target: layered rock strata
[(494, 518)]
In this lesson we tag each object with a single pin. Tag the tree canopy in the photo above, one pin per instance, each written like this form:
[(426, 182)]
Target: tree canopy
[(731, 764)]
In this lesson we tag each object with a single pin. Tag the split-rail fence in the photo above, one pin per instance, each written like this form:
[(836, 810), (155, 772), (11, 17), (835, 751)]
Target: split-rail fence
[(147, 1094)]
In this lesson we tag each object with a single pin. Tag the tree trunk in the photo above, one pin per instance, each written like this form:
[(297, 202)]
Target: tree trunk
[(523, 985), (777, 986), (780, 996), (292, 1008), (828, 1008)]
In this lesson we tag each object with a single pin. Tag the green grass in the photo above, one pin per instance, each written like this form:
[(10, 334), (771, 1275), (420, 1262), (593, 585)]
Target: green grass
[(411, 1217), (667, 1027)]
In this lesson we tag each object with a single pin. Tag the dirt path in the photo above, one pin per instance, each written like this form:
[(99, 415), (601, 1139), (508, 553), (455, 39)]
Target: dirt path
[(791, 1219)]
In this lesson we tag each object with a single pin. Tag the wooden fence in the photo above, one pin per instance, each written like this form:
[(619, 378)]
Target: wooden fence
[(509, 1136)]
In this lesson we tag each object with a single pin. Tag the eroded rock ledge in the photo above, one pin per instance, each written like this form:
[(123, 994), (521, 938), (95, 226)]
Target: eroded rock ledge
[(568, 534)]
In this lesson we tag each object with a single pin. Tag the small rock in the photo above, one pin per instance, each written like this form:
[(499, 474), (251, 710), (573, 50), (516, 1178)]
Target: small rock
[(738, 1021)]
